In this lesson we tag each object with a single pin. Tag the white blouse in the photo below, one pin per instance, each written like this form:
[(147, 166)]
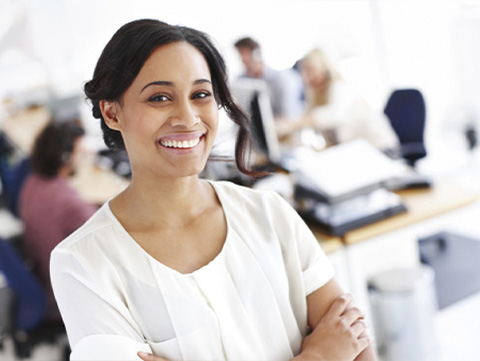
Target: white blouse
[(249, 303)]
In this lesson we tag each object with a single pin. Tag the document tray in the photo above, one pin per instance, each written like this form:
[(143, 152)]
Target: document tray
[(341, 217)]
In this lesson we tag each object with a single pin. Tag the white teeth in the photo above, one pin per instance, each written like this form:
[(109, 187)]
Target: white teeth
[(180, 144)]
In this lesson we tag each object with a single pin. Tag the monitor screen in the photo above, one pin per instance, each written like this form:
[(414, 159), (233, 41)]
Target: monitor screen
[(252, 95)]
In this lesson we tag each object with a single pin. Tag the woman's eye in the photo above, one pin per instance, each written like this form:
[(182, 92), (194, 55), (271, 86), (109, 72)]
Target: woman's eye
[(201, 95), (158, 98)]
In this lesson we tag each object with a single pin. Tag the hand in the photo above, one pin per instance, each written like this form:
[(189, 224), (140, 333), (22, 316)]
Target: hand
[(340, 335), (145, 356)]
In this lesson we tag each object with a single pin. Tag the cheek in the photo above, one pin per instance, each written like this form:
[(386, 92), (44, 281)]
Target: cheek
[(211, 117), (138, 122), (214, 123)]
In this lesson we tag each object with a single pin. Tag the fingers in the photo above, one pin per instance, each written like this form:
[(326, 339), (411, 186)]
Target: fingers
[(342, 307), (365, 341), (359, 328), (352, 315), (351, 318), (339, 306)]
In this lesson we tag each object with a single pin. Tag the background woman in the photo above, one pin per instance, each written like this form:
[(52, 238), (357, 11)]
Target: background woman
[(335, 110)]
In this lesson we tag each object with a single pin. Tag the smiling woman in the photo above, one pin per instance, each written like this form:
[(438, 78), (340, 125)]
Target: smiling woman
[(181, 268)]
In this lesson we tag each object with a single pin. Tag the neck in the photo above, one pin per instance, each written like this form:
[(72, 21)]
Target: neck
[(166, 201), (257, 71)]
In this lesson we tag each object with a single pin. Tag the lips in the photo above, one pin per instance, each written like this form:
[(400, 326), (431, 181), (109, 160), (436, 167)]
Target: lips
[(181, 141)]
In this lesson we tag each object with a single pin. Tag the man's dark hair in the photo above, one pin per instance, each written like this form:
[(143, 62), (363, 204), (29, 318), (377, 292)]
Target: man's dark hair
[(248, 43), (53, 147)]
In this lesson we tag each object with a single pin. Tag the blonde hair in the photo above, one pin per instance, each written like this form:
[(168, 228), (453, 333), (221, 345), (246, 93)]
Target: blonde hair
[(317, 60)]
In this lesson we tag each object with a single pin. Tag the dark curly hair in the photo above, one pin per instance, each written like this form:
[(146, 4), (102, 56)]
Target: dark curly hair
[(126, 53)]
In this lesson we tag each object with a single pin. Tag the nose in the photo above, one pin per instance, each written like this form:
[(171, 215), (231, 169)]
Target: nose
[(184, 115)]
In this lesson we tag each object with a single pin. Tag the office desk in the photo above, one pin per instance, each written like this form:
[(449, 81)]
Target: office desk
[(421, 204), (393, 242)]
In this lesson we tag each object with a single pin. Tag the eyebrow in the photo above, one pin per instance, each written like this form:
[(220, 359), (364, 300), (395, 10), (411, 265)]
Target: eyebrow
[(171, 84)]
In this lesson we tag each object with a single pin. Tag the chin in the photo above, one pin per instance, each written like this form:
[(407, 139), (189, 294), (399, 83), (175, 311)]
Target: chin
[(193, 171)]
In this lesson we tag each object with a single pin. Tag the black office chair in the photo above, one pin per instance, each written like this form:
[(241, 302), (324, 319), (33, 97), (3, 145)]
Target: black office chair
[(14, 169), (406, 111), (12, 176)]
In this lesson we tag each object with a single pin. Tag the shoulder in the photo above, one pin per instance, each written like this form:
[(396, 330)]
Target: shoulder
[(252, 204), (36, 183), (90, 232), (274, 76), (231, 191), (56, 189)]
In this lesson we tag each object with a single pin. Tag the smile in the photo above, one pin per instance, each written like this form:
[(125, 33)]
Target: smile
[(172, 143)]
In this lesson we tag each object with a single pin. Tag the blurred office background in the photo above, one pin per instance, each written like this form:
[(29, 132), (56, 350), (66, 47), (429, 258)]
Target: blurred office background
[(48, 49), (378, 45)]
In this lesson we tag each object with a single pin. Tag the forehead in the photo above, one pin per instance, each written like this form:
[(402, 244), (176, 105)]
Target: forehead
[(244, 50), (175, 62), (310, 67)]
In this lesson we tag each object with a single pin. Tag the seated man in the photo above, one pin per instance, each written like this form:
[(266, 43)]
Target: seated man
[(49, 207), (285, 86)]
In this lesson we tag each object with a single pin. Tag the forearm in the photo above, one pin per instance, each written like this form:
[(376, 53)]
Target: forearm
[(338, 328), (286, 126)]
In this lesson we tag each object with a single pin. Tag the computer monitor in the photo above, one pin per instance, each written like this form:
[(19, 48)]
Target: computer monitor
[(252, 95)]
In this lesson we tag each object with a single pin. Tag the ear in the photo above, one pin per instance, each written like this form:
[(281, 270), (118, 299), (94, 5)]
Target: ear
[(109, 113)]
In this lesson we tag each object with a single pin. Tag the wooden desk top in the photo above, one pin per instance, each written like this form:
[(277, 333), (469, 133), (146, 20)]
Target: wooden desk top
[(421, 204)]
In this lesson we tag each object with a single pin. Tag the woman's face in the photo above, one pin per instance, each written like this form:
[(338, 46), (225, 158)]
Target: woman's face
[(168, 117), (314, 76)]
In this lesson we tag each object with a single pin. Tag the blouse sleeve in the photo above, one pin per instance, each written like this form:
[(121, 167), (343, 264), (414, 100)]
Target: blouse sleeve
[(99, 327), (302, 248)]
